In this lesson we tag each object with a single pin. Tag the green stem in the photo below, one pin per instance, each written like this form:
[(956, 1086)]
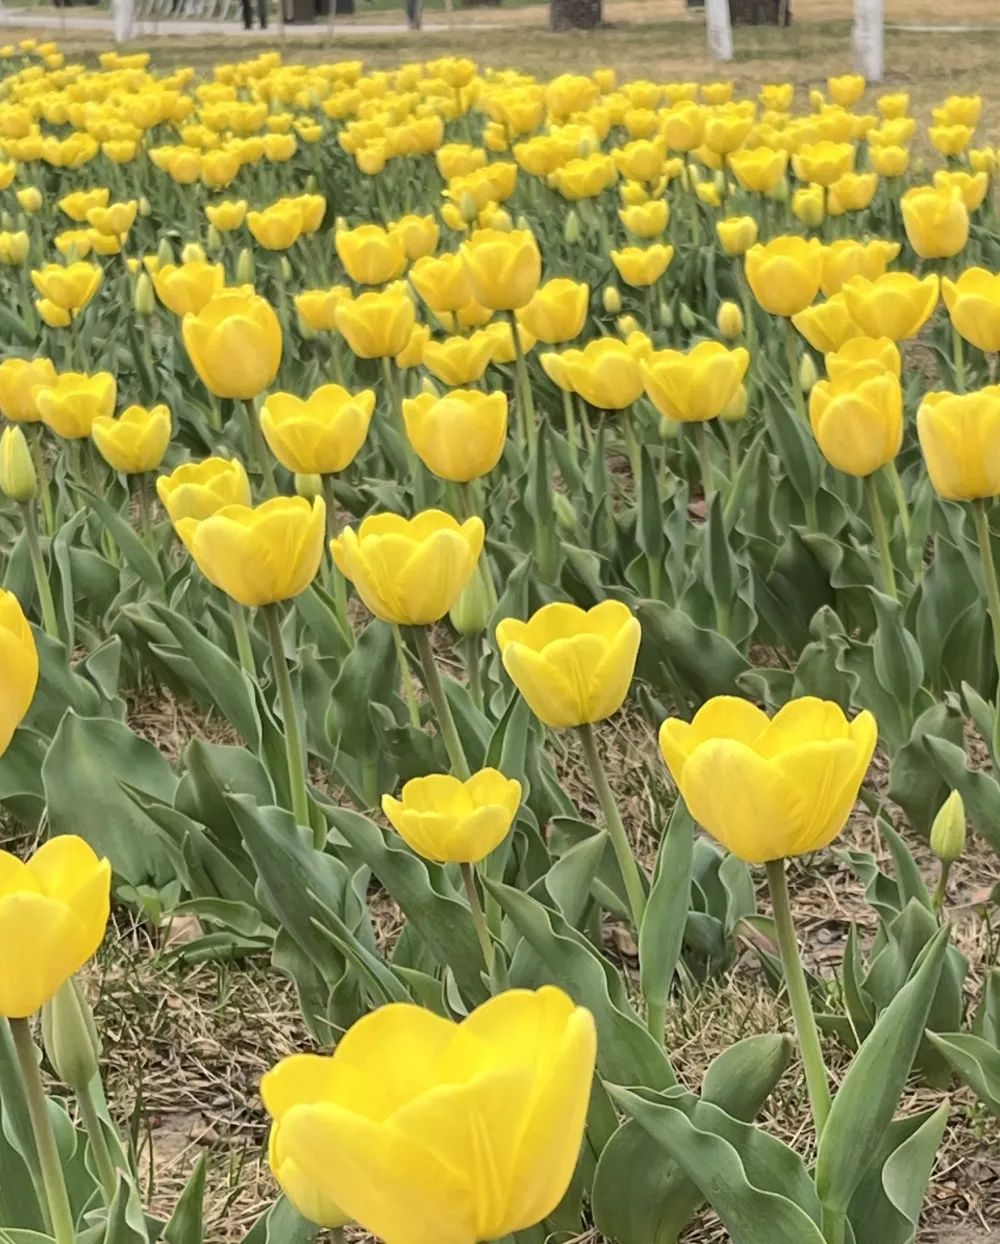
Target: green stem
[(632, 447), (98, 1142), (881, 529), (260, 459), (704, 458), (941, 890), (44, 588), (473, 663), (36, 444), (478, 919), (339, 582), (982, 523), (620, 844), (792, 351), (145, 511), (570, 416), (244, 649), (527, 399), (60, 1213), (588, 431), (958, 355), (435, 689), (294, 750), (798, 996), (406, 676), (901, 507)]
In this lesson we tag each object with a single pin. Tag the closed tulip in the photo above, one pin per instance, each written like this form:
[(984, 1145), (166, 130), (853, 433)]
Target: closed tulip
[(646, 220), (950, 140), (234, 344), (383, 1126), (879, 351), (442, 281), (827, 325), (458, 360), (857, 419), (606, 372), (19, 661), (642, 266), (18, 477), (259, 555), (848, 257), (187, 287), (785, 274), (69, 287), (809, 206), (790, 782), (973, 302), (459, 436), (759, 168), (376, 325), (694, 386), (70, 405), (983, 160), (895, 305), (725, 131), (198, 489), (453, 822), (960, 439), (557, 312), (824, 162), (370, 254), (936, 220), (134, 442), (505, 267), (584, 178), (410, 571), (227, 215), (54, 912), (737, 234), (320, 434), (573, 666), (19, 380), (683, 126)]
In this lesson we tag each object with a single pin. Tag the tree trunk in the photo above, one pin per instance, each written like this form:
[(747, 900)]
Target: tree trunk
[(575, 14), (761, 12)]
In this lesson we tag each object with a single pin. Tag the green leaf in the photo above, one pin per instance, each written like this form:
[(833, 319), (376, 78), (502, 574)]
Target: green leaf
[(662, 932), (871, 1089), (186, 1225), (976, 1063), (649, 516), (126, 1223), (909, 878), (281, 1224), (138, 557), (915, 785), (980, 791), (703, 661)]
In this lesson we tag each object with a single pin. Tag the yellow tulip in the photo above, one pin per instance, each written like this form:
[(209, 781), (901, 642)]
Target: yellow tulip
[(694, 386), (683, 126), (73, 401), (459, 360), (79, 203), (557, 312), (318, 307), (851, 193), (234, 344), (412, 354), (737, 234), (259, 555), (895, 305), (227, 215), (501, 338), (777, 96), (505, 268), (824, 162), (759, 168), (458, 159), (973, 302), (442, 281), (879, 351), (895, 105), (19, 380), (950, 140), (383, 1126), (785, 274), (724, 131), (410, 571), (809, 206), (960, 110), (584, 178), (18, 477), (29, 199), (790, 782), (418, 234), (889, 161), (573, 666), (278, 226), (983, 160), (971, 186), (459, 436), (376, 325), (605, 372), (857, 418), (960, 439), (50, 314), (219, 168), (729, 320), (54, 909), (187, 287), (136, 441), (898, 132), (709, 193), (827, 325), (640, 160), (451, 821), (936, 220), (198, 489), (68, 287), (647, 219), (320, 434), (846, 89), (370, 254), (847, 257), (19, 660), (115, 220), (642, 266)]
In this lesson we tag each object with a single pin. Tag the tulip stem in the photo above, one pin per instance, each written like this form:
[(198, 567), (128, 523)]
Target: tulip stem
[(526, 398), (36, 444), (259, 457), (339, 582), (704, 458), (881, 529), (60, 1213), (294, 750), (941, 890), (792, 350), (806, 1030), (982, 523), (94, 1126), (570, 417), (406, 676), (145, 511), (473, 664), (478, 918), (445, 719), (958, 356), (620, 844), (632, 448), (244, 649), (45, 602)]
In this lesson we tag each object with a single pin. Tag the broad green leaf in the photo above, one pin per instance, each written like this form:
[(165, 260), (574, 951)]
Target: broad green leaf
[(915, 785), (186, 1225), (135, 553), (281, 1224), (976, 1063), (662, 931), (980, 791)]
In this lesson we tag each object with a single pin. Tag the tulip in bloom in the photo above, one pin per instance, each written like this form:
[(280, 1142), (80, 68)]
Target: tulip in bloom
[(412, 354), (234, 344), (824, 162), (642, 266), (895, 305), (973, 302), (848, 257), (409, 571), (115, 220), (382, 1128), (68, 287), (19, 662), (459, 436), (198, 489), (857, 418), (605, 372), (19, 379), (950, 140), (134, 442), (973, 187), (851, 193), (442, 281), (278, 226), (695, 386), (500, 335), (737, 234), (187, 287), (73, 401), (459, 360), (880, 352), (827, 325), (936, 220), (846, 88), (785, 274), (759, 168), (318, 307), (320, 434), (557, 312), (646, 220), (453, 822), (768, 789), (418, 234), (376, 325), (370, 254), (259, 555), (79, 203), (227, 215), (505, 268), (889, 160), (960, 439)]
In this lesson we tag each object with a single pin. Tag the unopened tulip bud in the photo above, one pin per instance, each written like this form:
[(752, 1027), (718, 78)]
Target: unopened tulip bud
[(427, 385), (193, 252), (245, 271), (70, 1037), (16, 248), (627, 324), (665, 314), (948, 830), (572, 232), (144, 208), (7, 220), (719, 181), (522, 223), (565, 514), (470, 614), (807, 373), (688, 318), (611, 299), (18, 480), (670, 429), (340, 224), (467, 208), (143, 299), (213, 240), (311, 184), (729, 320), (309, 486), (736, 408), (778, 193), (500, 219), (164, 252), (286, 268)]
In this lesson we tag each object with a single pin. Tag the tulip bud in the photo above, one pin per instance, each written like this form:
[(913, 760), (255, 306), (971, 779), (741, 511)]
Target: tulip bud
[(467, 208), (471, 612), (311, 184), (719, 181), (164, 252), (737, 407), (286, 268), (665, 315), (522, 222), (627, 324), (670, 429), (70, 1037), (213, 240), (729, 320), (688, 318), (193, 252), (612, 299), (143, 299), (340, 224), (500, 219), (807, 373), (309, 486), (245, 271), (17, 248), (18, 480), (572, 232), (144, 208), (778, 193), (30, 199), (948, 830), (565, 514), (427, 385), (7, 220)]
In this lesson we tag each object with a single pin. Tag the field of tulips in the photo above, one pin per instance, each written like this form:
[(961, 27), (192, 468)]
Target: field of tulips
[(562, 514)]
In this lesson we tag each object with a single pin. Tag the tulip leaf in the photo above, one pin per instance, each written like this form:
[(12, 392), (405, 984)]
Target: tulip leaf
[(626, 1051), (21, 1190), (975, 1061), (126, 1223), (918, 787), (662, 933), (186, 1225), (757, 1185), (706, 663), (281, 1224), (134, 551), (979, 790), (871, 1089)]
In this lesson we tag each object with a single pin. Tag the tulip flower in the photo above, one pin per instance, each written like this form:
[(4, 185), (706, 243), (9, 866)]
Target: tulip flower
[(697, 385), (18, 477), (606, 372), (412, 354), (889, 161), (79, 203), (857, 419), (725, 131), (19, 380), (234, 344), (896, 305), (458, 360), (827, 325), (960, 439), (972, 187), (68, 287), (759, 168), (505, 268), (370, 254), (950, 140), (320, 434), (73, 401), (646, 220), (847, 257), (442, 281), (936, 220), (227, 215), (557, 312), (851, 193), (418, 234), (785, 274), (824, 162), (809, 206), (184, 288), (278, 226), (318, 307), (973, 303), (459, 436), (846, 88), (115, 219), (198, 489), (19, 661), (642, 266), (376, 325), (134, 442), (396, 1153), (450, 821), (880, 351), (737, 234), (584, 178)]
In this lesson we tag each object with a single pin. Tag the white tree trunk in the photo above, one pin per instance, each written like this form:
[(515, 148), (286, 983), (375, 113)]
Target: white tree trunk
[(720, 29), (124, 18), (869, 29)]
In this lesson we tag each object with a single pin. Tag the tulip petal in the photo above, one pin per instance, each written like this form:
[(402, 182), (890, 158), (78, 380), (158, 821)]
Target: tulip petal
[(43, 945), (825, 780)]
